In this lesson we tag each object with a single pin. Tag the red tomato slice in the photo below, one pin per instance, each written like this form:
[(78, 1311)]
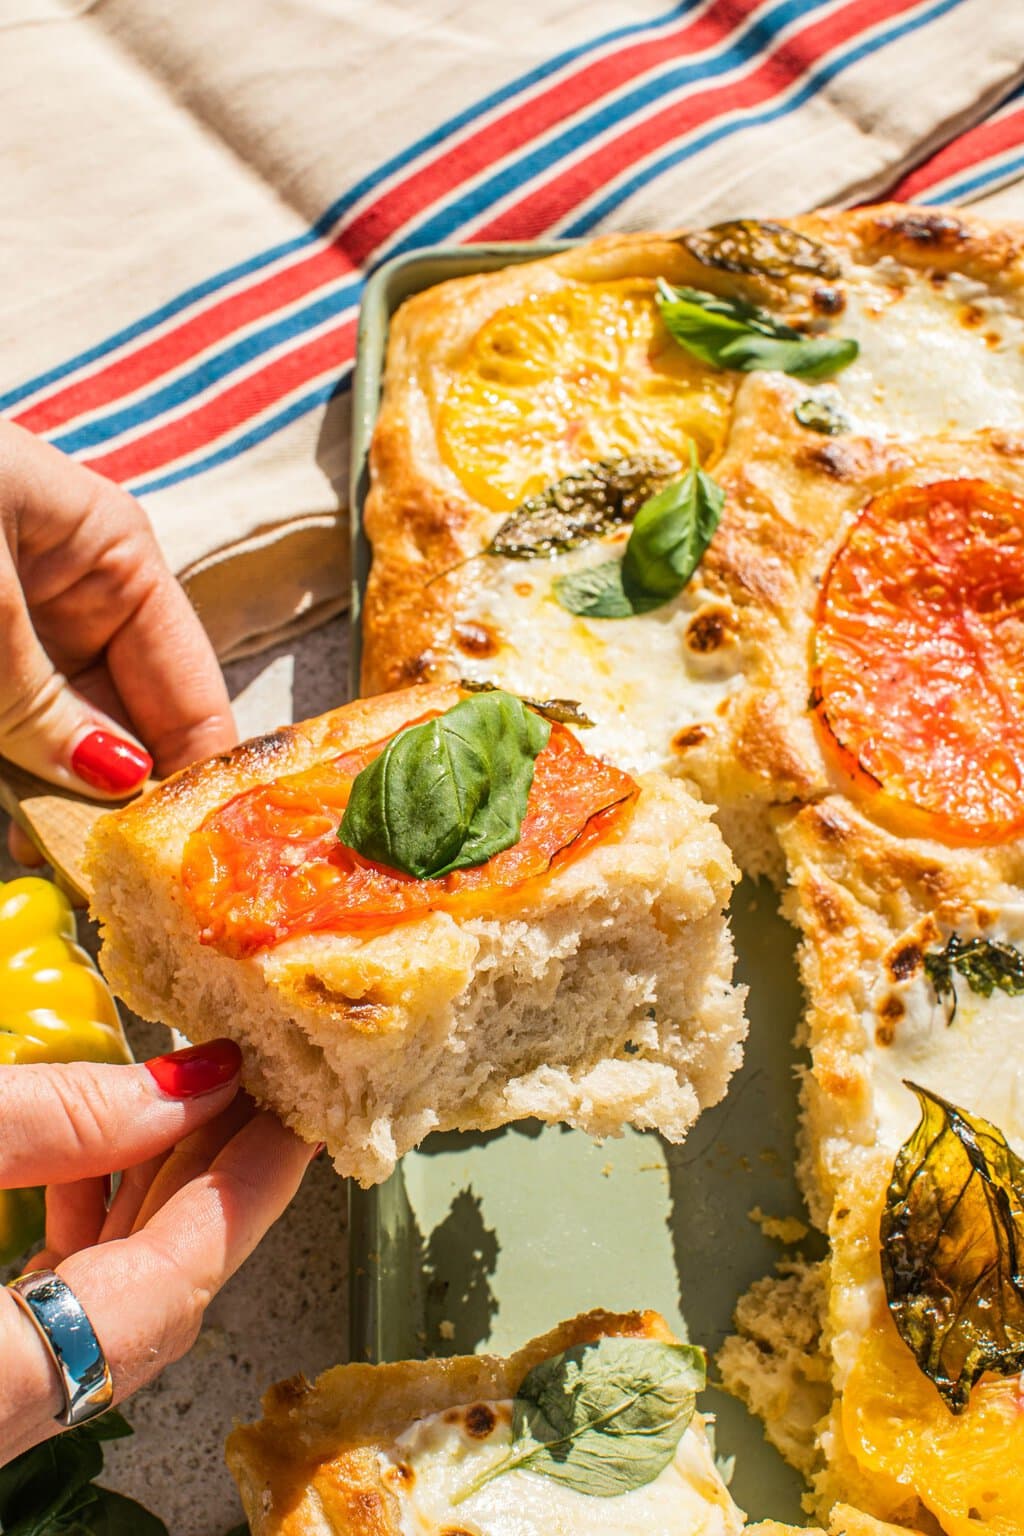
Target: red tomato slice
[(919, 655), (268, 864)]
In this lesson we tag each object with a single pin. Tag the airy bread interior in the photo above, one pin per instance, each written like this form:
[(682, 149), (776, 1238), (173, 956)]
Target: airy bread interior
[(601, 997)]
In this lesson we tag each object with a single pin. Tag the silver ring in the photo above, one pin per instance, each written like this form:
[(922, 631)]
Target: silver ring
[(60, 1320)]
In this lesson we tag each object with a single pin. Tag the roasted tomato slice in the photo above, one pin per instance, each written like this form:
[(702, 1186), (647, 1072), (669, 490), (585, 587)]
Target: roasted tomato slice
[(919, 655), (268, 864)]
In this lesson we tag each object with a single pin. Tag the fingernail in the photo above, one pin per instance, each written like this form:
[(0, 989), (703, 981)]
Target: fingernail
[(196, 1070), (110, 763)]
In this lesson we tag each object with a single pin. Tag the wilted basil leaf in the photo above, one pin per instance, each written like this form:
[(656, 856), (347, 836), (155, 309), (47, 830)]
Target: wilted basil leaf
[(729, 333), (670, 534), (761, 247), (565, 711), (983, 963), (952, 1241), (821, 416), (602, 1418), (581, 506), (449, 793)]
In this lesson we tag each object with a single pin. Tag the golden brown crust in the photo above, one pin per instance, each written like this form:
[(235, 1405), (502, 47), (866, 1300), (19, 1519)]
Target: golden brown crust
[(318, 1444), (420, 519)]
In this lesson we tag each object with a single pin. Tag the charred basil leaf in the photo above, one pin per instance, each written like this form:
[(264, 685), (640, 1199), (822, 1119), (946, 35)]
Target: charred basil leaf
[(952, 1242), (670, 533), (581, 506), (984, 964), (821, 416), (729, 333), (602, 1418), (448, 793), (760, 247), (565, 711)]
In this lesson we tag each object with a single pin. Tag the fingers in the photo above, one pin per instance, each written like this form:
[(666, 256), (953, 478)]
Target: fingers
[(45, 726), (91, 582), (64, 1123), (75, 1214), (22, 849), (191, 1158), (146, 1295)]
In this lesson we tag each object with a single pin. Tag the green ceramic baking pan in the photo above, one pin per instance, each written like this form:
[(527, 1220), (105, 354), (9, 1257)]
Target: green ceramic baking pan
[(481, 1241)]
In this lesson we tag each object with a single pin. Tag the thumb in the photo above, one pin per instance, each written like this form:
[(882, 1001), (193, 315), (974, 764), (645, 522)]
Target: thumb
[(48, 728), (62, 1123)]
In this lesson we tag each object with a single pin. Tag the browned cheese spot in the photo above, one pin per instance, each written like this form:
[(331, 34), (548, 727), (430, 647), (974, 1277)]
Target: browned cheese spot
[(937, 229), (904, 962), (828, 909), (690, 736), (829, 301), (708, 630), (971, 316), (476, 639), (523, 588), (892, 1008), (480, 1421), (833, 459), (455, 1530), (993, 340)]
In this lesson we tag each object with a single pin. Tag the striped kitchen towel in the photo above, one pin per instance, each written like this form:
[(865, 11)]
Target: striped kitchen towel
[(195, 198)]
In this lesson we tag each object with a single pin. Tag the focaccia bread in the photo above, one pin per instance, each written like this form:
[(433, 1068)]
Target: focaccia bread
[(913, 962), (500, 386), (591, 986), (382, 1449)]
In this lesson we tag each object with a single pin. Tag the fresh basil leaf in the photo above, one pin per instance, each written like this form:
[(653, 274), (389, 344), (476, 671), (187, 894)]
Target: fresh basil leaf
[(449, 793), (952, 1236), (985, 964), (109, 1426), (582, 505), (760, 247), (821, 416), (670, 534), (564, 711), (114, 1514), (36, 1489), (729, 333), (602, 1418), (599, 592)]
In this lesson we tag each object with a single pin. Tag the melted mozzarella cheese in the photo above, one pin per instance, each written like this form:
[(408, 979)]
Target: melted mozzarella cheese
[(972, 1059), (933, 358), (638, 679), (440, 1455)]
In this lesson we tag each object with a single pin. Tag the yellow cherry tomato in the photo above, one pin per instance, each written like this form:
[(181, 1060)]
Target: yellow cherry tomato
[(54, 1006)]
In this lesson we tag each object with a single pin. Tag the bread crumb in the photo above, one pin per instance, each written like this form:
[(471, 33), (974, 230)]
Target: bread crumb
[(788, 1229)]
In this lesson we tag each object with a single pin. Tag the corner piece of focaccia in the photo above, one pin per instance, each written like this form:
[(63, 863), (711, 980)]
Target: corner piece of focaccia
[(913, 963), (386, 1450), (528, 414), (583, 975)]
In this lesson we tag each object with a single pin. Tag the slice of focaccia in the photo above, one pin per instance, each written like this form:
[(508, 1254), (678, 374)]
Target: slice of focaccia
[(392, 1449), (913, 960), (529, 414), (581, 974)]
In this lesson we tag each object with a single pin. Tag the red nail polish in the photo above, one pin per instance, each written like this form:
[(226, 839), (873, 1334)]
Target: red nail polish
[(196, 1070), (110, 763), (321, 1148)]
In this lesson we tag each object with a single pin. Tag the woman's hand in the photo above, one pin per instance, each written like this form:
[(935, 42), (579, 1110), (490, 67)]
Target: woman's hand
[(205, 1175), (106, 668)]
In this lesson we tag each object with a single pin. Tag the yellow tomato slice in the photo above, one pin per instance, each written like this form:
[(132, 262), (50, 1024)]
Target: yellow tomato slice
[(585, 372), (967, 1469)]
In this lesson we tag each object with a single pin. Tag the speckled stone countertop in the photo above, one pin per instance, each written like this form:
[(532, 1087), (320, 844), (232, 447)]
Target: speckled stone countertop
[(286, 1309)]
